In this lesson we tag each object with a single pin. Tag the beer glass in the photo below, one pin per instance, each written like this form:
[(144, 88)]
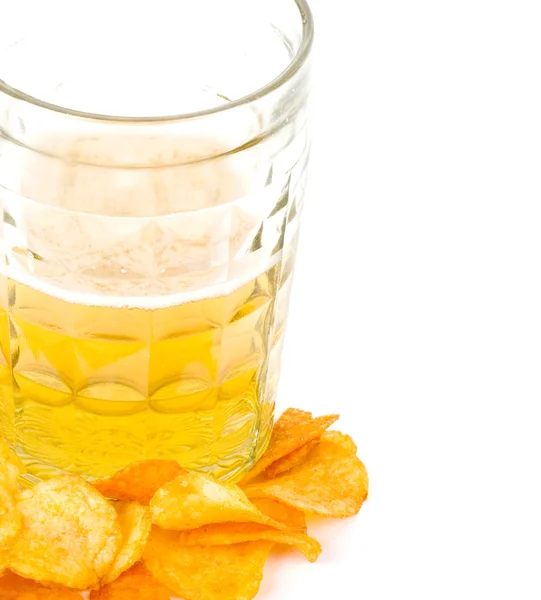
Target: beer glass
[(152, 176)]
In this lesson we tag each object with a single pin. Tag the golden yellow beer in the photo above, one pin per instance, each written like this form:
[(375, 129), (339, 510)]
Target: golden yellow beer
[(90, 389)]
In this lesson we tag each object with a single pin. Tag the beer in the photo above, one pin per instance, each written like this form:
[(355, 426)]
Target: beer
[(141, 337), (89, 388)]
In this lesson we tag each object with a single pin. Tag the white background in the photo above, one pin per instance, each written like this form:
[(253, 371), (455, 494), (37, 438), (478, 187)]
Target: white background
[(416, 310)]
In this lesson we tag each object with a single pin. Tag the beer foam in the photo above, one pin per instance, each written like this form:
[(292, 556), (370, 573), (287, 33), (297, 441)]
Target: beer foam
[(145, 261), (149, 302), (149, 238)]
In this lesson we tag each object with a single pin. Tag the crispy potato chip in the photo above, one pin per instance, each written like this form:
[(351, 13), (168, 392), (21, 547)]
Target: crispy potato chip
[(139, 481), (13, 587), (332, 482), (10, 522), (293, 459), (222, 534), (135, 584), (11, 468), (70, 534), (293, 429), (135, 523), (197, 573), (193, 500), (342, 439), (292, 518)]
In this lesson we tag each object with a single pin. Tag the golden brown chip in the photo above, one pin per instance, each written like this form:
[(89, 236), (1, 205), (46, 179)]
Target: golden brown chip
[(135, 584), (13, 587), (139, 481), (11, 468), (222, 534), (198, 573), (70, 534), (293, 429), (293, 459), (342, 439), (332, 482), (10, 522), (292, 518), (135, 523), (193, 500)]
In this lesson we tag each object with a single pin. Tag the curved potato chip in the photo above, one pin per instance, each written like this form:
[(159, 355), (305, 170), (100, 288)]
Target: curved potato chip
[(292, 518), (13, 587), (293, 459), (70, 534), (293, 429), (10, 522), (222, 534), (11, 468), (332, 482), (134, 584), (193, 499), (135, 523), (197, 573), (139, 481), (342, 439)]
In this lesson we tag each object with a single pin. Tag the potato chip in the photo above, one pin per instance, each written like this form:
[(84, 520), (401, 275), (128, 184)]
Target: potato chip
[(293, 429), (139, 481), (134, 584), (342, 439), (199, 573), (13, 587), (70, 534), (292, 518), (222, 534), (193, 500), (332, 482), (10, 522), (11, 468), (293, 459), (135, 523)]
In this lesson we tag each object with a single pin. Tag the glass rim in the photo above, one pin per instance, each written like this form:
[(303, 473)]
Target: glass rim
[(296, 62)]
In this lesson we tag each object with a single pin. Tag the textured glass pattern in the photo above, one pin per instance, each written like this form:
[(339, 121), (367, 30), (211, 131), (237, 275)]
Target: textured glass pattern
[(155, 337)]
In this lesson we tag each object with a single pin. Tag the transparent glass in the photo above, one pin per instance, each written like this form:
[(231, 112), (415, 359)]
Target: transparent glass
[(152, 176)]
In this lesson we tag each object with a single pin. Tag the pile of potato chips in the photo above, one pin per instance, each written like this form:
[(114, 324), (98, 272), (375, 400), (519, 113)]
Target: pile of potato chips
[(154, 530)]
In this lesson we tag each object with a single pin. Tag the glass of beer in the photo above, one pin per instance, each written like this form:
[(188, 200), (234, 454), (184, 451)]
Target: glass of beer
[(152, 176)]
